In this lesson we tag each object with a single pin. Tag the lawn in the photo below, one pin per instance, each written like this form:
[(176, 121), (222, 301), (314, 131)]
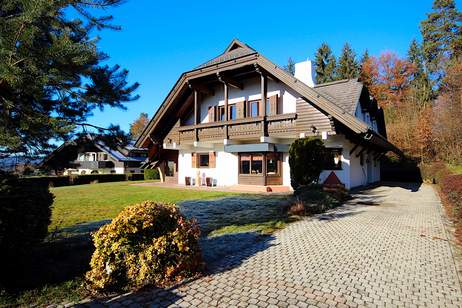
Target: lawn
[(456, 168), (94, 202)]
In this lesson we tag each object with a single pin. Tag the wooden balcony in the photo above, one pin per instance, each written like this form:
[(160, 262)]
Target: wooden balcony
[(80, 164), (281, 125)]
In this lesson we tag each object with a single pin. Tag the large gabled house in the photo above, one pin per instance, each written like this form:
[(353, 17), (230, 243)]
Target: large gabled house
[(88, 155), (231, 121)]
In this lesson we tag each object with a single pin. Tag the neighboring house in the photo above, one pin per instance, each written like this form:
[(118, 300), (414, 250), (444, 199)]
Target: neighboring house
[(88, 156), (231, 121)]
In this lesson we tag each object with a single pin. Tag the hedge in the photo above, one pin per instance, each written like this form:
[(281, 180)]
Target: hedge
[(25, 211), (57, 181)]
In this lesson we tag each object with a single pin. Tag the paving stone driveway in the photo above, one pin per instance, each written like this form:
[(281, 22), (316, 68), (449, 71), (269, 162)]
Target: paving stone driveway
[(386, 247)]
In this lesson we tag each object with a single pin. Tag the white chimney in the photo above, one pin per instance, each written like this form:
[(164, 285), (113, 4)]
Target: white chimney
[(304, 72)]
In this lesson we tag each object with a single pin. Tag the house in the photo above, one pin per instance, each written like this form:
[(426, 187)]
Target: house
[(88, 155), (231, 121)]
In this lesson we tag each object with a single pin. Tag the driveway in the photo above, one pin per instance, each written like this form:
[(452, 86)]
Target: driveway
[(385, 247)]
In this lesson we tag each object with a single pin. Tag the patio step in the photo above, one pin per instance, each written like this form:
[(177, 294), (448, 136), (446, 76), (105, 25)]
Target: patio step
[(261, 189)]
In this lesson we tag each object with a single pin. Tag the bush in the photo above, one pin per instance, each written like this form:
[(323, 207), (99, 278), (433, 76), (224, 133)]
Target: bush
[(451, 187), (434, 172), (25, 211), (146, 244), (315, 200), (97, 178), (135, 177), (306, 160), (151, 174), (52, 181)]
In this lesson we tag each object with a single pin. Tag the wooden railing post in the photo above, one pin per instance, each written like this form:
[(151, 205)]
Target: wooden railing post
[(225, 90), (196, 115)]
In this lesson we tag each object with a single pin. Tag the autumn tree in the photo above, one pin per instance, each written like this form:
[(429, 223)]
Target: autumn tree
[(52, 73), (325, 64), (137, 127), (425, 138), (348, 66), (442, 37), (388, 78), (448, 115)]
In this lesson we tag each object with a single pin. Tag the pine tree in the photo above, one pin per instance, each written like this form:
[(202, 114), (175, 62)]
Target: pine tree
[(442, 37), (365, 57), (347, 67), (325, 64), (421, 88), (290, 67), (51, 71), (137, 127)]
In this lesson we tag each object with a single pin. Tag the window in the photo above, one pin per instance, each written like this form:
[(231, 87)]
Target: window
[(232, 112), (272, 163), (104, 156), (251, 163), (204, 160), (268, 106), (333, 159), (253, 109), (245, 164), (170, 171), (221, 113)]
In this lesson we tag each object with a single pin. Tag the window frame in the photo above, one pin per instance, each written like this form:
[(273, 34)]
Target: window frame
[(250, 104), (199, 155), (251, 161), (331, 154), (278, 157)]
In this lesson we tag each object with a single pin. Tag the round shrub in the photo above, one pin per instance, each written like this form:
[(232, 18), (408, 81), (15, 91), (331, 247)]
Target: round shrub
[(306, 160), (151, 174), (146, 244)]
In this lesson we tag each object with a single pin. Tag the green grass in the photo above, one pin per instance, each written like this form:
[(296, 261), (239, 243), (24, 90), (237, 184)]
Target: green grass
[(266, 227), (69, 291), (94, 202), (456, 168)]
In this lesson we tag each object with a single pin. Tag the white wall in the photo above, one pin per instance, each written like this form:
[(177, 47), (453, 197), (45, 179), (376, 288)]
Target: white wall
[(251, 91), (225, 173), (339, 141), (286, 170), (365, 117)]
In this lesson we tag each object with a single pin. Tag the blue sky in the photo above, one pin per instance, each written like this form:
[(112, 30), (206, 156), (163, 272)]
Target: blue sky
[(161, 39)]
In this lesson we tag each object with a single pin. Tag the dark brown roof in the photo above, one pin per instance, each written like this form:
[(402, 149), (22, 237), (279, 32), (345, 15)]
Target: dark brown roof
[(344, 93), (243, 55), (235, 49)]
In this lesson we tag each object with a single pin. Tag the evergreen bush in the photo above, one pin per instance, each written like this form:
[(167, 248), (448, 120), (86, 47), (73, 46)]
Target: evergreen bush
[(151, 174), (306, 160), (25, 211)]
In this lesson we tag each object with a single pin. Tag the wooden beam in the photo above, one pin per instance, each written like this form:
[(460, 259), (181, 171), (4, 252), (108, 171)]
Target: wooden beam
[(196, 114), (360, 152), (264, 95), (225, 96), (201, 88), (230, 81), (354, 148)]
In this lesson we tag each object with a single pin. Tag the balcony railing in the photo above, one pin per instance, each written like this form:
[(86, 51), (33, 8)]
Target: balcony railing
[(247, 128), (82, 164)]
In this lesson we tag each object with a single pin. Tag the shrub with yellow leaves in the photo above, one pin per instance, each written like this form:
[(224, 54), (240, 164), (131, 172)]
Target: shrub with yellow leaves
[(146, 244)]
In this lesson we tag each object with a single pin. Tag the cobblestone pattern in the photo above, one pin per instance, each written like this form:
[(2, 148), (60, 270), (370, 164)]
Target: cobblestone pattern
[(385, 248)]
